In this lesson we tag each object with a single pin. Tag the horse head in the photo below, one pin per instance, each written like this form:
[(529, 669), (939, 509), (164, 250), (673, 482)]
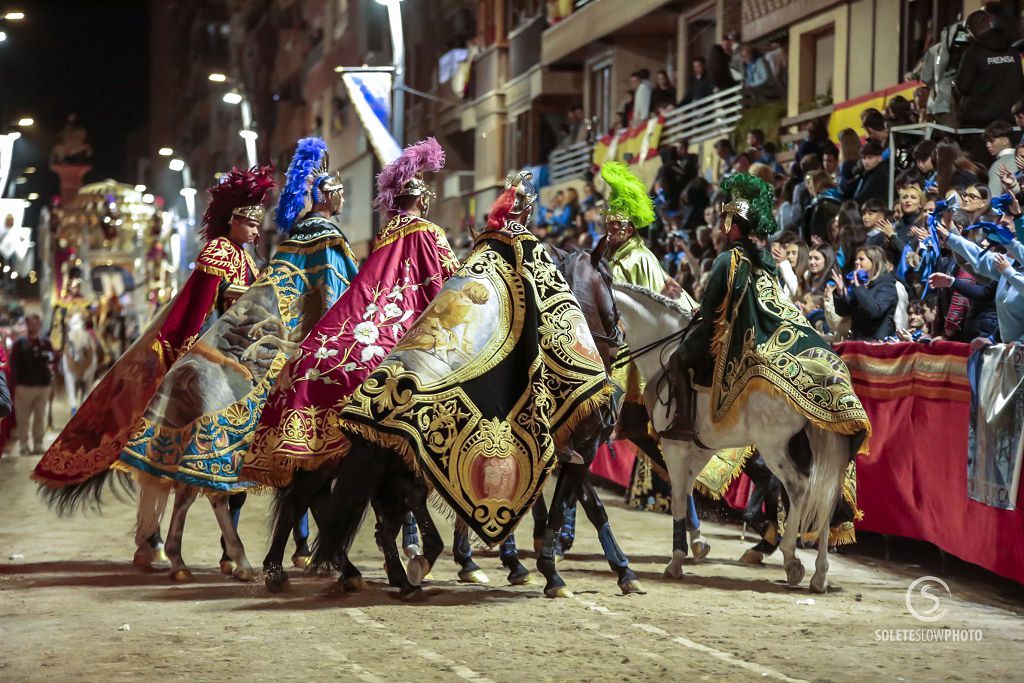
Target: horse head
[(590, 280)]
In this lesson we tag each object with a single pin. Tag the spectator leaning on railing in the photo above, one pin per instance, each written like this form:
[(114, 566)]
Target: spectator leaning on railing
[(700, 85), (870, 298)]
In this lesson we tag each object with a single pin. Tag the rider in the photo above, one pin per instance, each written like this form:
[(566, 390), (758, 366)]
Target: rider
[(756, 336)]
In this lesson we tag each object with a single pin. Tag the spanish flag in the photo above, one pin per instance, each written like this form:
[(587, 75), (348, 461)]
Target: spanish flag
[(631, 145)]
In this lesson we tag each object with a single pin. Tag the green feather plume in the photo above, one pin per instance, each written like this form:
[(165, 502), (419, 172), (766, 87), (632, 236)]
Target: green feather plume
[(628, 195), (761, 196)]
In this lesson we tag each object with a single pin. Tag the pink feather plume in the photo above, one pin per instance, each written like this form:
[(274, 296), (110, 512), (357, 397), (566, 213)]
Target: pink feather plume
[(425, 156)]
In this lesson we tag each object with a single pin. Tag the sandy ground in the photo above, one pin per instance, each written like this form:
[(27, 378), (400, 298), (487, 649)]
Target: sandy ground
[(72, 607)]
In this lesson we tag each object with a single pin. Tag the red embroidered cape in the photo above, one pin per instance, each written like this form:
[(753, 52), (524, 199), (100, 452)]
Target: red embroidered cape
[(410, 261), (98, 432)]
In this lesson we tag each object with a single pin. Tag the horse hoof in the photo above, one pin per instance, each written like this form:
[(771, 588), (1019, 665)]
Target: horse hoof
[(673, 571), (227, 567), (182, 576), (354, 584), (143, 561), (520, 577), (244, 574), (302, 561), (279, 586), (417, 569), (412, 551), (794, 572), (632, 586), (820, 587), (751, 556), (411, 594), (700, 549), (474, 576), (558, 592), (160, 555)]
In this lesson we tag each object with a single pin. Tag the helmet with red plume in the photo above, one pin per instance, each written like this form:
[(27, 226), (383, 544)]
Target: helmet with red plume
[(238, 192)]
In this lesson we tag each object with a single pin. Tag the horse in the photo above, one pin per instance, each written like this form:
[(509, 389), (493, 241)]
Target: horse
[(79, 361), (784, 437), (363, 472)]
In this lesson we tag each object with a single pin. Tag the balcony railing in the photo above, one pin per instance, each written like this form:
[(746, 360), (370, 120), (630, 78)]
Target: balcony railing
[(571, 162), (712, 117)]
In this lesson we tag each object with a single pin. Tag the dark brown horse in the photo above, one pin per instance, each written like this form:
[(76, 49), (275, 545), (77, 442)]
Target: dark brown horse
[(372, 475)]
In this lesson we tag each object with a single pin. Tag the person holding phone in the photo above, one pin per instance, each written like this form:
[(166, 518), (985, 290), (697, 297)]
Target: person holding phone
[(869, 298)]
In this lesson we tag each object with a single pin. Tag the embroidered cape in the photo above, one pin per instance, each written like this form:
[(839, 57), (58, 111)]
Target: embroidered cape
[(299, 428), (495, 373), (760, 341), (202, 417), (94, 437)]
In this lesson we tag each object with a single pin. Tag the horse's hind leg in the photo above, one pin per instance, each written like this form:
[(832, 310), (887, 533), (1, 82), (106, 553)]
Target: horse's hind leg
[(300, 532), (462, 551), (617, 560), (795, 484), (389, 525), (274, 575), (540, 522), (421, 564), (152, 501), (232, 542), (183, 499)]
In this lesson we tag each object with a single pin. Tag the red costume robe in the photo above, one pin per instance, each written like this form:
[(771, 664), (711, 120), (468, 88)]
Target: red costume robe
[(410, 261), (94, 438)]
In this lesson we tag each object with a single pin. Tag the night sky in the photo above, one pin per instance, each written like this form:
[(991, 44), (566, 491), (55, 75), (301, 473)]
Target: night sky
[(89, 57)]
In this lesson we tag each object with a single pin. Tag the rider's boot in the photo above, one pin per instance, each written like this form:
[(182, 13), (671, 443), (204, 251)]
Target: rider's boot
[(681, 428)]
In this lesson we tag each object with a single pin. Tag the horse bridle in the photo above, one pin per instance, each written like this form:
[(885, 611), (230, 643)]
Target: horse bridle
[(617, 337)]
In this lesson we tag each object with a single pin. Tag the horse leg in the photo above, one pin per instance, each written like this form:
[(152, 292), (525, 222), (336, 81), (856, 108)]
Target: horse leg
[(617, 560), (540, 521), (274, 575), (567, 484), (183, 499), (410, 536), (152, 501), (229, 534), (389, 525), (796, 484), (235, 503), (684, 462), (420, 565), (698, 544), (462, 551), (300, 532), (518, 574)]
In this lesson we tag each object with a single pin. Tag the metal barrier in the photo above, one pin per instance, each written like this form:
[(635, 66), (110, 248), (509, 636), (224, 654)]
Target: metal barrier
[(712, 117)]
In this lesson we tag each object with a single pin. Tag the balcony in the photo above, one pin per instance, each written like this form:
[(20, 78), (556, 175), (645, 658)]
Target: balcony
[(711, 117), (524, 46), (590, 20)]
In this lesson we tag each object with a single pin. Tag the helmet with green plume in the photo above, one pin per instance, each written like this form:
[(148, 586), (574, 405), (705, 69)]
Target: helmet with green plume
[(628, 201), (751, 205)]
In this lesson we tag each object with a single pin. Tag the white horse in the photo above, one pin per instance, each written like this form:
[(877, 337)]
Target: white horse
[(767, 420), (79, 361)]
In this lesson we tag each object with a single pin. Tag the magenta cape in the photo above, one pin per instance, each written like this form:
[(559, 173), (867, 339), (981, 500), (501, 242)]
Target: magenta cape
[(298, 428)]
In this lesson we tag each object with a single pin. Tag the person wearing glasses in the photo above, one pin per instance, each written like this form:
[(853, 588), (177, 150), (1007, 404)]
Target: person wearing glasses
[(975, 201)]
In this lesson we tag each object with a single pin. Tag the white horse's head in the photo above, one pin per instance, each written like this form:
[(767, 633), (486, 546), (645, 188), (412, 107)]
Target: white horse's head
[(78, 341)]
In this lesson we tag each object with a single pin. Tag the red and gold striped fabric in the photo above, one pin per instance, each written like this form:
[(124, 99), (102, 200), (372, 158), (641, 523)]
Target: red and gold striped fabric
[(888, 371)]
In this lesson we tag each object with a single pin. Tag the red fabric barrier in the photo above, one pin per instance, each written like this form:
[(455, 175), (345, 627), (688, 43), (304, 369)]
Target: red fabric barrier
[(618, 469), (914, 482)]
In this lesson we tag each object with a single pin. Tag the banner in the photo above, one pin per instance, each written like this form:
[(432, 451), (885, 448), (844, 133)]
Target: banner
[(371, 95)]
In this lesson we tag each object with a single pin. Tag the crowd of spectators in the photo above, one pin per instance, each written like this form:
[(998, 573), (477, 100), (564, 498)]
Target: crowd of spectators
[(938, 262)]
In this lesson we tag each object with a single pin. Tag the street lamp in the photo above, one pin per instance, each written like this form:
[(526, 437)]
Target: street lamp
[(398, 61), (177, 164), (165, 151), (14, 16), (25, 121), (236, 96), (187, 191)]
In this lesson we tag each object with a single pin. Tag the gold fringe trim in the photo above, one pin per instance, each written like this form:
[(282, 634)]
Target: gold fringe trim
[(733, 476), (583, 411)]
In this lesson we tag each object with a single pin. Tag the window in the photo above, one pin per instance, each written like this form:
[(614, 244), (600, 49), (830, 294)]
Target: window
[(601, 106), (817, 67)]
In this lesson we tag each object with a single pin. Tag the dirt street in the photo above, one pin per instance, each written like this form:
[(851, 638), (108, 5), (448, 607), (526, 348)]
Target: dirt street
[(72, 607)]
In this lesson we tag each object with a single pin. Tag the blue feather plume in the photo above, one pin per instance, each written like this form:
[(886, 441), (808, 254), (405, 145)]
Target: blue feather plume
[(290, 204)]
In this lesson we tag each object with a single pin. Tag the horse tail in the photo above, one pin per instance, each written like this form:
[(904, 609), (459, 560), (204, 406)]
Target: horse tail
[(359, 475), (830, 456), (88, 494)]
